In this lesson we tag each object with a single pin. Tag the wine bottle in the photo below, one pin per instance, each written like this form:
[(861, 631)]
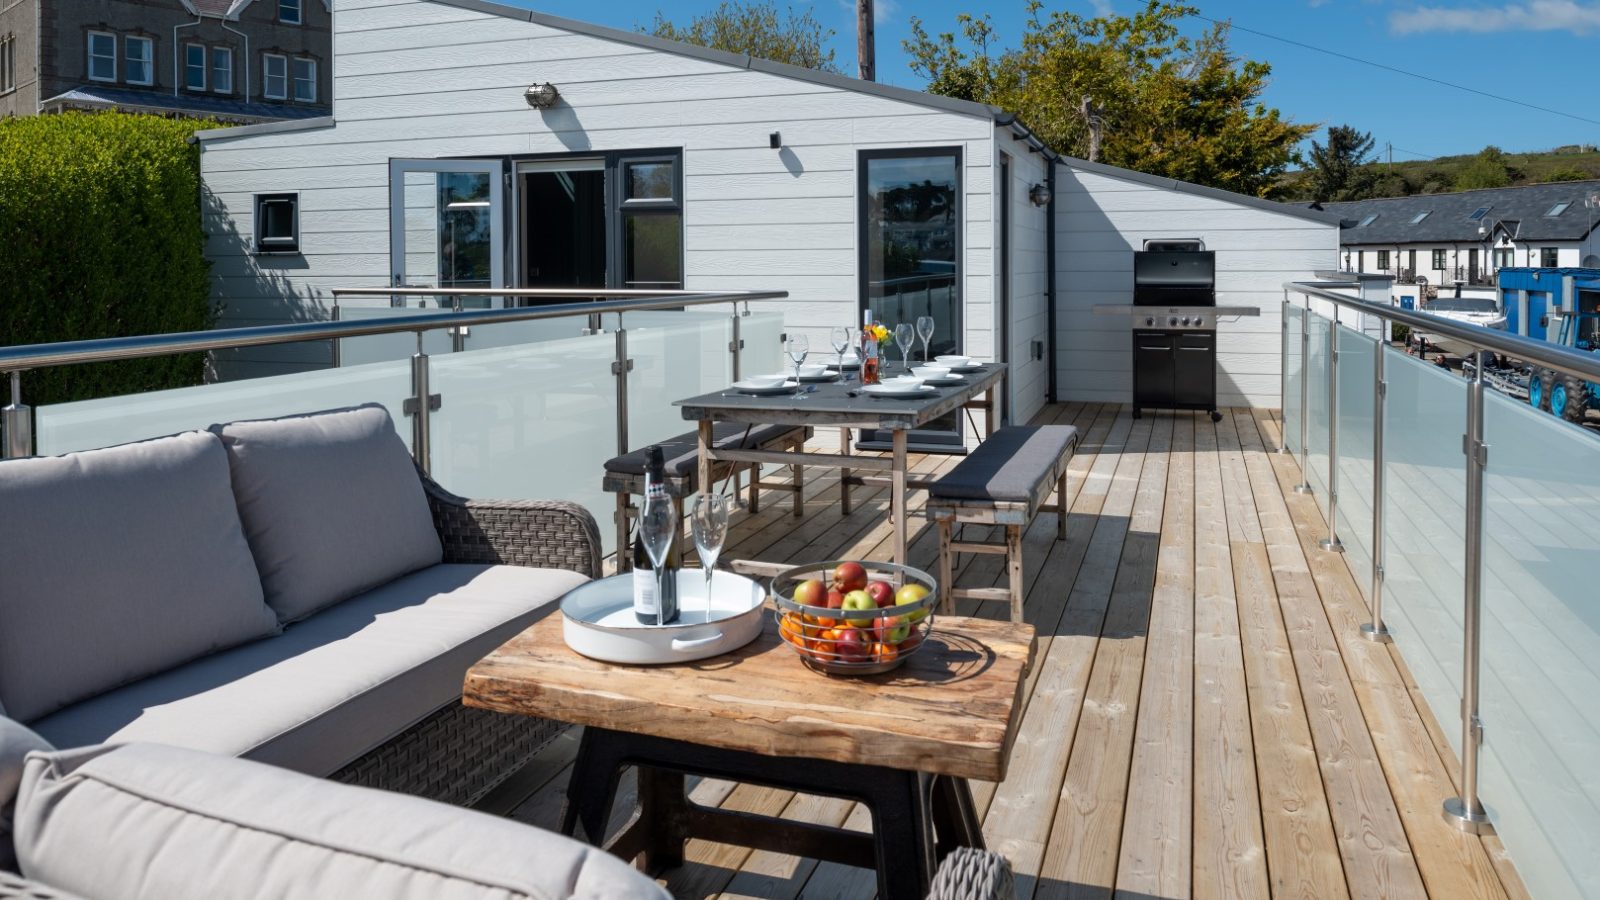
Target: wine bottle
[(657, 509)]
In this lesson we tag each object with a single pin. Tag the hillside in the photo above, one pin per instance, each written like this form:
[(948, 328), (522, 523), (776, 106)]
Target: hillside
[(1433, 176)]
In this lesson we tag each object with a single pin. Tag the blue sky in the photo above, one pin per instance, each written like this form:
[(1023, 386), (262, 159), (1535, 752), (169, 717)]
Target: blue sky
[(1535, 51)]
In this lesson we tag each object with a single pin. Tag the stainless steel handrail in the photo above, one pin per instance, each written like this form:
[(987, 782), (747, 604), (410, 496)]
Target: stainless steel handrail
[(1541, 353), (66, 353)]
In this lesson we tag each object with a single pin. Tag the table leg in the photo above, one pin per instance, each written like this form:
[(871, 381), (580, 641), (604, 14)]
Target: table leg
[(955, 816), (591, 788), (903, 832), (844, 473), (898, 498), (991, 405), (665, 808)]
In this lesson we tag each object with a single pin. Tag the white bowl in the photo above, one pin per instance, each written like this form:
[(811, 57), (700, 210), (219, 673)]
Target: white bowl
[(926, 372), (953, 361), (904, 379), (766, 380), (812, 370)]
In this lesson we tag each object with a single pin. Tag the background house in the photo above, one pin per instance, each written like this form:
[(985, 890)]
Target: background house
[(232, 60), (658, 164)]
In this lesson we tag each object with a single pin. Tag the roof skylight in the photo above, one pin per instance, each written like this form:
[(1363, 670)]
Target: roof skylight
[(1558, 209), (1368, 220), (1479, 213), (1417, 219)]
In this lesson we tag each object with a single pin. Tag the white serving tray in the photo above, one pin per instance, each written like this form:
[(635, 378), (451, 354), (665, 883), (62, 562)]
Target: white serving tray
[(598, 620)]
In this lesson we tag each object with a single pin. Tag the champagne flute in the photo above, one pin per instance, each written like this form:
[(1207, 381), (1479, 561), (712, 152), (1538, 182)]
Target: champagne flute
[(658, 529), (841, 340), (797, 347), (709, 519), (925, 331), (904, 334)]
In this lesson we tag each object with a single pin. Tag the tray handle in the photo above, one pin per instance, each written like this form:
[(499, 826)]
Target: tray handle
[(683, 646)]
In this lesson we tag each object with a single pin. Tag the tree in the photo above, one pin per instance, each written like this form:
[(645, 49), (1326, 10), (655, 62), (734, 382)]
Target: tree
[(1566, 175), (1338, 168), (756, 28), (1171, 105), (1486, 170)]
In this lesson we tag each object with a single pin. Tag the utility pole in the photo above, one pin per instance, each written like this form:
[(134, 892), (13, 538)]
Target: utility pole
[(1390, 148), (866, 42), (1091, 115)]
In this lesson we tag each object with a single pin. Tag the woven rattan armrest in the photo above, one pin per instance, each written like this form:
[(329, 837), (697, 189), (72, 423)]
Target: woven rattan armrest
[(552, 534)]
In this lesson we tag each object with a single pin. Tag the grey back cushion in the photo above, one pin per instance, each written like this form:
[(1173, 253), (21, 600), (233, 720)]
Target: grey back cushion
[(116, 564), (168, 823), (331, 503), (16, 742)]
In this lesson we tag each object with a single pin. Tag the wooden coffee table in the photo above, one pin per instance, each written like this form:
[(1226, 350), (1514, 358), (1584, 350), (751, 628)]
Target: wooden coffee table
[(904, 743)]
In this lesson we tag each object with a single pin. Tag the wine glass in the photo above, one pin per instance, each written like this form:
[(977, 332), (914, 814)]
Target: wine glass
[(904, 334), (925, 331), (709, 519), (658, 529), (841, 340), (797, 347)]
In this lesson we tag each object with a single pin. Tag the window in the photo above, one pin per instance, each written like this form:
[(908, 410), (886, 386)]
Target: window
[(1479, 213), (1411, 261), (1383, 260), (277, 223), (102, 56), (652, 223), (289, 11), (1361, 260), (8, 63), (1548, 257), (1368, 220), (139, 53), (1557, 210), (1502, 258), (194, 67), (1439, 260), (222, 70), (1417, 219), (274, 76), (305, 81)]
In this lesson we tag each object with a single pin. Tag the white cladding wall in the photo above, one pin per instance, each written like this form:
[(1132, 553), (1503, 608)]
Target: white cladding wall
[(1101, 220), (419, 79)]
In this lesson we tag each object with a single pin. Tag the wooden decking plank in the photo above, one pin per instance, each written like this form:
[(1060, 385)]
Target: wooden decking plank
[(1082, 855), (1157, 830), (1452, 863), (1297, 826), (1372, 841), (1230, 859)]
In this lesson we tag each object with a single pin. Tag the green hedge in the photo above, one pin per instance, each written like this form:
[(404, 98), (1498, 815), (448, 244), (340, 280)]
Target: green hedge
[(100, 237)]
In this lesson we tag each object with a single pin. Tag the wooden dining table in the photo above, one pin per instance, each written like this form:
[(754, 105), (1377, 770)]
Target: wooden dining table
[(843, 404)]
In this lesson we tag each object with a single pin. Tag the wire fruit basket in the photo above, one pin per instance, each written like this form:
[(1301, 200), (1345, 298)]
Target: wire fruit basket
[(862, 640)]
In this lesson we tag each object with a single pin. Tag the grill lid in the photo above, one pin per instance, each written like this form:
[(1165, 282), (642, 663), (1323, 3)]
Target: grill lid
[(1174, 278)]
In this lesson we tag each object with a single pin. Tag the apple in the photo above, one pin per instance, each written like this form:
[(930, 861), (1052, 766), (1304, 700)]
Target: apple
[(891, 629), (857, 601), (836, 598), (911, 593), (850, 576), (810, 593), (882, 593), (853, 646)]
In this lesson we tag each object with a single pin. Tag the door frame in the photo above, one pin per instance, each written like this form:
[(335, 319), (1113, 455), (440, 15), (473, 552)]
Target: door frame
[(1002, 326), (495, 168)]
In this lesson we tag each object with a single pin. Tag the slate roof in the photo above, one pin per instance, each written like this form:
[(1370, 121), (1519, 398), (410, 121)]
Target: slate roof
[(216, 8), (195, 105), (1519, 210)]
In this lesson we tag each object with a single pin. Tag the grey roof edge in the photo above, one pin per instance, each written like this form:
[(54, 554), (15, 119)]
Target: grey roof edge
[(218, 134), (1321, 217)]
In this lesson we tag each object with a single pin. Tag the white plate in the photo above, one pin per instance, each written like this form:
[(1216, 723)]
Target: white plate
[(746, 387), (599, 621), (954, 362), (829, 375), (898, 390), (951, 378)]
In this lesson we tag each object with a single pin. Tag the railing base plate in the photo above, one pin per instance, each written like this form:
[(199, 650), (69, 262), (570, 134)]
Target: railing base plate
[(1456, 813), (1302, 489), (1378, 634), (1332, 545)]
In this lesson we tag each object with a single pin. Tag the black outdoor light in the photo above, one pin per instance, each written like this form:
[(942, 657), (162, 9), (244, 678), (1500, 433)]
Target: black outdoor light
[(1039, 195), (541, 96), (775, 140)]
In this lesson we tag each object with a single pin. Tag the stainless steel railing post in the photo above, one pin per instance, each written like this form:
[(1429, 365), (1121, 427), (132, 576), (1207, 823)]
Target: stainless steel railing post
[(1331, 542), (1466, 812), (420, 406), (620, 367), (1377, 630), (737, 343), (17, 419), (1283, 364), (1304, 487)]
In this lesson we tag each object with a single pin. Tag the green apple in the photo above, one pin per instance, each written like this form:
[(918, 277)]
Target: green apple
[(859, 601), (891, 629), (911, 593)]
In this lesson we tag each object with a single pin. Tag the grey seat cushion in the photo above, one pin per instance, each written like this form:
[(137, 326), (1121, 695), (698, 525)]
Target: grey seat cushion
[(16, 742), (168, 823), (682, 453), (331, 503), (1008, 465), (116, 564), (335, 685)]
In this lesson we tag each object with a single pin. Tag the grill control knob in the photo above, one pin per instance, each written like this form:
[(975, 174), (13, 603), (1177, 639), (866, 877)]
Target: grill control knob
[(1149, 321), (1173, 322), (1186, 320)]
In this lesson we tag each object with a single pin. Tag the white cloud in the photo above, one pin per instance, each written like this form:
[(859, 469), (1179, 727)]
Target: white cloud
[(1102, 7), (1534, 15)]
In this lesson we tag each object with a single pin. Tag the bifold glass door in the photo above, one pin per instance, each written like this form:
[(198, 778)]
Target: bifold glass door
[(446, 228)]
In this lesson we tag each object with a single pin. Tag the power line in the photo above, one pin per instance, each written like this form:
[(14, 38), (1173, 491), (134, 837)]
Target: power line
[(1397, 71), (1421, 156)]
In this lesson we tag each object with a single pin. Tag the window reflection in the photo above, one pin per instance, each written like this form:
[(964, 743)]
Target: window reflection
[(912, 240)]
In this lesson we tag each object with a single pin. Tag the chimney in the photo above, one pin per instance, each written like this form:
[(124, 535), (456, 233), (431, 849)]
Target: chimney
[(866, 53)]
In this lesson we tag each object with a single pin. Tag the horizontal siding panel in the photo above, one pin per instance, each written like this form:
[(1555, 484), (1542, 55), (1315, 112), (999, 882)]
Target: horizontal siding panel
[(1071, 220), (623, 65)]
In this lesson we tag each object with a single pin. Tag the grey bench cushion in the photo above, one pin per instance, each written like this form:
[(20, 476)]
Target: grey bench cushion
[(1008, 466), (335, 685), (16, 742), (683, 452), (149, 821), (116, 564)]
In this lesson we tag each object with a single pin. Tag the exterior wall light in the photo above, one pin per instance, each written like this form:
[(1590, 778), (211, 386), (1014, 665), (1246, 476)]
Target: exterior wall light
[(541, 96), (1039, 195)]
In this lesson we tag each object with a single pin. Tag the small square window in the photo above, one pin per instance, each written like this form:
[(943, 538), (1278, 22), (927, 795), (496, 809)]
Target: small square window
[(102, 56), (1383, 260), (305, 81), (140, 60), (289, 11), (1479, 213), (1417, 219), (8, 64), (1368, 220), (1549, 257), (194, 67), (1439, 260), (222, 70), (277, 223), (274, 76), (650, 180), (1557, 210)]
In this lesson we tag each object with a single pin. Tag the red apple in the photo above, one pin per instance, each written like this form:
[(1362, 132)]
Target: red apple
[(890, 630), (836, 598), (810, 593), (853, 646), (850, 576), (881, 592)]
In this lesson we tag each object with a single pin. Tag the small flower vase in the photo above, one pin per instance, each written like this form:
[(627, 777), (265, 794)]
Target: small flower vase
[(870, 364)]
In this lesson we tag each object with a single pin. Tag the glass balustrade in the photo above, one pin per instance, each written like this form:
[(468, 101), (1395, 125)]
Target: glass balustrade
[(1316, 375), (1357, 372), (1293, 374)]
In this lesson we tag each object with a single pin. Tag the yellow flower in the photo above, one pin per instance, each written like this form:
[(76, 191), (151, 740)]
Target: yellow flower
[(879, 333)]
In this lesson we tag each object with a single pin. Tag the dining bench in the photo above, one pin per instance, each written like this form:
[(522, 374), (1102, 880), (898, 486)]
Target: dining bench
[(1004, 482), (624, 475)]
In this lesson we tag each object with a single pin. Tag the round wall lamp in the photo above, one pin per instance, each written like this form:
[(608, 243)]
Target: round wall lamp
[(1039, 195), (541, 96)]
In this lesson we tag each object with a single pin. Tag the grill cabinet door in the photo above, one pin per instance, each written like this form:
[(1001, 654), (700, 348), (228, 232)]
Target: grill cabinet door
[(1152, 368), (1195, 371)]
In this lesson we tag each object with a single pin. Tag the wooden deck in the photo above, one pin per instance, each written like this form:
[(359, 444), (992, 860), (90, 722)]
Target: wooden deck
[(1203, 719)]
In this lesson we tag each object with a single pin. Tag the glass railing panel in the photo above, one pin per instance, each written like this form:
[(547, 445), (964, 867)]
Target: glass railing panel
[(1424, 508), (762, 334), (1293, 373), (373, 348), (1357, 372), (530, 422), (87, 424), (1317, 408), (1540, 699), (533, 331), (675, 355)]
